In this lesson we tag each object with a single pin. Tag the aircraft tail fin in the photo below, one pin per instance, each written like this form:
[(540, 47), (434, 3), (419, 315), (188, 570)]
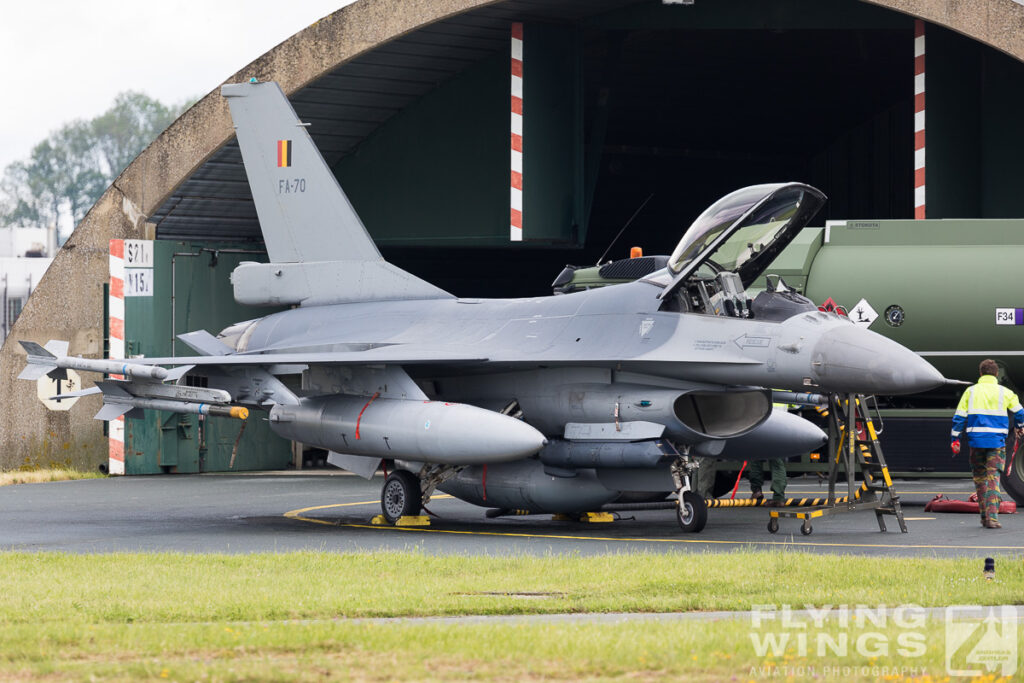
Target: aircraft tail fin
[(304, 214)]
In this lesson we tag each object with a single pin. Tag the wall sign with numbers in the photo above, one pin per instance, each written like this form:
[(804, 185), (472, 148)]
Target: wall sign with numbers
[(138, 268)]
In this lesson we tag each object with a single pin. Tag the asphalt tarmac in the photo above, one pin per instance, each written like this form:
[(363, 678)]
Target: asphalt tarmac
[(331, 511)]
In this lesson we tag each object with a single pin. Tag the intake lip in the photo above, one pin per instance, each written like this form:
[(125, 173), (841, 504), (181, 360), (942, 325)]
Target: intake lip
[(722, 414)]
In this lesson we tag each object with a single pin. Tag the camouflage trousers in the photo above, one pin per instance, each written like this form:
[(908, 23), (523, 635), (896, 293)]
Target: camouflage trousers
[(986, 464)]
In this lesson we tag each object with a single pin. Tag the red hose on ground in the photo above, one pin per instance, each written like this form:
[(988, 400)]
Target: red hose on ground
[(738, 476)]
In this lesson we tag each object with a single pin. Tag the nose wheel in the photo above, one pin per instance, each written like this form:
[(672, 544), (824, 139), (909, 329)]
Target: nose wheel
[(401, 496), (692, 512)]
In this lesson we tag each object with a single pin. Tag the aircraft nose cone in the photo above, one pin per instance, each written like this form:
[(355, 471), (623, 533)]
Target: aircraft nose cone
[(850, 359)]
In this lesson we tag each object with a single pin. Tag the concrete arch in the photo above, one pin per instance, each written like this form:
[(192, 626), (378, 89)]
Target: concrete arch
[(68, 302), (997, 23)]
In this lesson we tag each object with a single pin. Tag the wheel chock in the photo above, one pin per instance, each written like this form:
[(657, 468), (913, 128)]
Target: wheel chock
[(586, 517), (413, 520), (597, 517), (408, 520)]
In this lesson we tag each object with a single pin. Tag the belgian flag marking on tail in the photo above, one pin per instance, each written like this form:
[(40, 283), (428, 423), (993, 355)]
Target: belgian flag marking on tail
[(284, 153)]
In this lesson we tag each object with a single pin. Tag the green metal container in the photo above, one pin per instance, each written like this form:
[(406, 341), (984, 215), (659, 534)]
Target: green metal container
[(934, 286)]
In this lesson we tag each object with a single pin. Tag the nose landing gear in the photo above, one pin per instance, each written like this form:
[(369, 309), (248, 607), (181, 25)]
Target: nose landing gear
[(692, 509)]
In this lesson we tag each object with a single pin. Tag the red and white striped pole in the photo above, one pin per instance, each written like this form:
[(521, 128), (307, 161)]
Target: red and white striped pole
[(115, 306), (516, 195), (919, 178)]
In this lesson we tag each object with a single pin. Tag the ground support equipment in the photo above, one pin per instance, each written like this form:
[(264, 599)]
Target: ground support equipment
[(854, 450)]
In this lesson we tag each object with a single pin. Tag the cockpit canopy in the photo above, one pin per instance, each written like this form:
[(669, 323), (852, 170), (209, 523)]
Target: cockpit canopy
[(731, 244), (745, 230)]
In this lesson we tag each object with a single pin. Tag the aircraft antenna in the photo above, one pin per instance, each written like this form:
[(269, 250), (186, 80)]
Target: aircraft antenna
[(623, 229)]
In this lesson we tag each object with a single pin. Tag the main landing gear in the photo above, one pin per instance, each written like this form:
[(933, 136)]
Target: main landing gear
[(405, 493), (401, 496)]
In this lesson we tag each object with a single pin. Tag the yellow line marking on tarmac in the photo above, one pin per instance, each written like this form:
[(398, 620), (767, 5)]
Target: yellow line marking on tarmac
[(903, 492), (297, 515)]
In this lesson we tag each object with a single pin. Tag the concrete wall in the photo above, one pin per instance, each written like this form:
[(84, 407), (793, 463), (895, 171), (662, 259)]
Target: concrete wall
[(999, 23), (68, 303)]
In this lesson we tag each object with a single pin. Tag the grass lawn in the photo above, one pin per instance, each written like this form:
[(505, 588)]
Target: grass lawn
[(287, 616), (40, 476)]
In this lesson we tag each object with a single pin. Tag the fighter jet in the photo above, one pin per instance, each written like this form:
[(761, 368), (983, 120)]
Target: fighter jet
[(548, 404)]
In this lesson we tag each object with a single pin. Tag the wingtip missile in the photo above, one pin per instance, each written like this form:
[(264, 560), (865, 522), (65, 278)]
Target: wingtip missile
[(51, 360)]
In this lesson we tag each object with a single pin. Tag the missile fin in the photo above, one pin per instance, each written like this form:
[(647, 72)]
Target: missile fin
[(57, 347), (34, 349), (76, 394), (113, 387), (35, 371), (112, 411)]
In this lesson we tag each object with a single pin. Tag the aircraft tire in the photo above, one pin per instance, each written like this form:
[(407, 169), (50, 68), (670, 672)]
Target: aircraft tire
[(401, 496), (692, 512), (1013, 483)]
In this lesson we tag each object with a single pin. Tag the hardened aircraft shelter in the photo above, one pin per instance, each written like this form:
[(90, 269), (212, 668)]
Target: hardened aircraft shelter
[(485, 144)]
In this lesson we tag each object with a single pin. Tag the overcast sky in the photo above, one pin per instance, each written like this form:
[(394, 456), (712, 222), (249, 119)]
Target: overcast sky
[(67, 59)]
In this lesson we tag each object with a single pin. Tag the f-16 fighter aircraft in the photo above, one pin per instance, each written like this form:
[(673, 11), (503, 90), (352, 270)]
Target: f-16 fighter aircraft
[(550, 404)]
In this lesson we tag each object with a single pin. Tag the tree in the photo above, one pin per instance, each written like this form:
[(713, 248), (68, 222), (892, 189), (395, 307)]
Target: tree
[(66, 173), (125, 129)]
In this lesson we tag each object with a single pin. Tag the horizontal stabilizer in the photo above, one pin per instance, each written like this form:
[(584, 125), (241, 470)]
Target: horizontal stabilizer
[(361, 465), (205, 344)]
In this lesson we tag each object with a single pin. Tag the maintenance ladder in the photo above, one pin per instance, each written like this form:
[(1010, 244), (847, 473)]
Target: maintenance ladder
[(853, 448)]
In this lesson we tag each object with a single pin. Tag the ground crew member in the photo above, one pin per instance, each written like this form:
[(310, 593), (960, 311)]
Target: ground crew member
[(982, 412), (778, 470)]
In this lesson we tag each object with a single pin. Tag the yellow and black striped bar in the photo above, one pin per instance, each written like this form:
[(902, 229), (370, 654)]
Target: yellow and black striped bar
[(789, 502)]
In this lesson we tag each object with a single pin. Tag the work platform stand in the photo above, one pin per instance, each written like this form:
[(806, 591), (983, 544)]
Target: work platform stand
[(854, 449)]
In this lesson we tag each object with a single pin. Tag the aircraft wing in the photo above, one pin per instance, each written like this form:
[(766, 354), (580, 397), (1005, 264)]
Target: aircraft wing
[(398, 354)]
